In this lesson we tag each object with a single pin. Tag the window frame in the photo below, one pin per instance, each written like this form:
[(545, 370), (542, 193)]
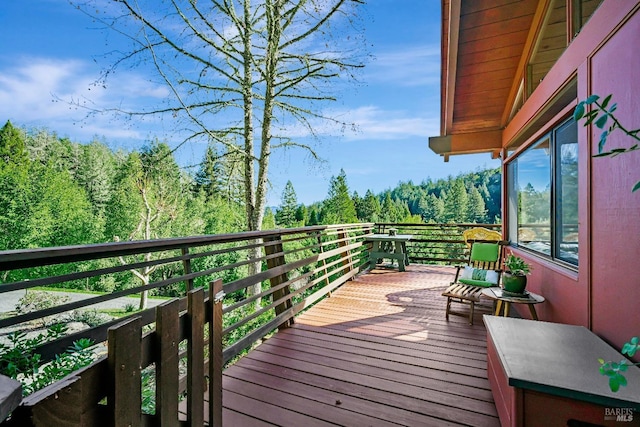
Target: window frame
[(555, 179)]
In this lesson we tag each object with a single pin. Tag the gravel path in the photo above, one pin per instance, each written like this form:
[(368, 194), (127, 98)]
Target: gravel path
[(9, 300)]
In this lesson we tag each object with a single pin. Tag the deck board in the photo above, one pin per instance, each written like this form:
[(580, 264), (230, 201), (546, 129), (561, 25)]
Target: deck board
[(378, 352)]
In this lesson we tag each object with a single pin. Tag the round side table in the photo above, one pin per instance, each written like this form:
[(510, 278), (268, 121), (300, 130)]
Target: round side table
[(503, 302)]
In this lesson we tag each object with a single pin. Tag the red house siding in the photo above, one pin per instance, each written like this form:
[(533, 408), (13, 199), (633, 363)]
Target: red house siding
[(615, 211), (604, 294)]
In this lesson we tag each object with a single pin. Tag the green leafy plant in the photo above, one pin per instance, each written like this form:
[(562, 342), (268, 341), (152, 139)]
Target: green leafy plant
[(129, 308), (613, 370), (601, 115), (148, 378), (19, 357), (78, 355), (20, 361), (516, 265)]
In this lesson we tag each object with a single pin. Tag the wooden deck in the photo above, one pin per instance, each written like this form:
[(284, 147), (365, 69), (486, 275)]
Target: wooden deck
[(378, 352)]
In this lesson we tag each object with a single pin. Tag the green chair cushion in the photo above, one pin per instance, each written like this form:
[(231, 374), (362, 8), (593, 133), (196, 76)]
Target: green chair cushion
[(484, 252), (479, 283)]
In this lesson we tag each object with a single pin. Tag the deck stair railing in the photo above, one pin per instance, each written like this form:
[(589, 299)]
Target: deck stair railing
[(299, 267)]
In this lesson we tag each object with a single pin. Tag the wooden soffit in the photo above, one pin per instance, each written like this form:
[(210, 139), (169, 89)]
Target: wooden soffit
[(483, 45)]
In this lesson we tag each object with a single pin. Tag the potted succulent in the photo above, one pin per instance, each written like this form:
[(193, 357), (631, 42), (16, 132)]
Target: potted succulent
[(514, 279)]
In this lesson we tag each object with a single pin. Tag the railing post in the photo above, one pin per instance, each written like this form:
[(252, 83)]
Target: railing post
[(167, 340), (274, 246), (343, 240), (324, 261), (125, 391), (216, 295), (195, 357), (186, 262)]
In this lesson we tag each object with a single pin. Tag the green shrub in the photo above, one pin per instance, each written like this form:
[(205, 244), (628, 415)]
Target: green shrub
[(19, 357), (19, 360), (36, 301), (77, 356), (130, 308), (90, 317)]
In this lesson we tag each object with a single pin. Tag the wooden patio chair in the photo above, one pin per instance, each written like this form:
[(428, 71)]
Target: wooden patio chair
[(482, 270)]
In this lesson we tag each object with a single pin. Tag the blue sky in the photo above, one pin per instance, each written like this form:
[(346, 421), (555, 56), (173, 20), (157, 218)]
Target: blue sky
[(52, 54)]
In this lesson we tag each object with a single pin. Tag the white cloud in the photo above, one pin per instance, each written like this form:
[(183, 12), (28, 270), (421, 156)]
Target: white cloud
[(371, 123), (26, 92), (375, 123), (412, 66), (37, 91), (42, 91)]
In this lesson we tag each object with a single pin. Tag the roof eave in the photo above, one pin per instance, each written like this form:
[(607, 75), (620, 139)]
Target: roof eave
[(468, 143)]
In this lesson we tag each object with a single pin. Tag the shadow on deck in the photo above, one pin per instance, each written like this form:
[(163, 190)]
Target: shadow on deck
[(378, 352)]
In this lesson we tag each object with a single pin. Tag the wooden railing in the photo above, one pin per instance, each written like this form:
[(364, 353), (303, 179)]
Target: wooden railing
[(177, 344), (298, 267), (435, 243), (313, 260)]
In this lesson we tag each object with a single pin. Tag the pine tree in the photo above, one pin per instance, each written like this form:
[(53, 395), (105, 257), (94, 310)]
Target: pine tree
[(301, 214), (206, 178), (338, 207), (455, 203), (95, 174), (358, 203), (476, 210), (15, 189), (370, 208), (432, 209), (12, 145), (387, 213), (315, 215), (286, 214)]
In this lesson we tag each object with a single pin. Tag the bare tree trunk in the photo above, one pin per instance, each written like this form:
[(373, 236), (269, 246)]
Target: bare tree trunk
[(249, 175), (144, 295), (147, 218), (278, 55)]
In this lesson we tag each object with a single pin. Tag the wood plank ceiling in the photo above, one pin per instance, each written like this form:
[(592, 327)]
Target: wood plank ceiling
[(482, 68)]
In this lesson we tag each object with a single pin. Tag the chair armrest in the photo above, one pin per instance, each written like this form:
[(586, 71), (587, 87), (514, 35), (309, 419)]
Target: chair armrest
[(458, 268)]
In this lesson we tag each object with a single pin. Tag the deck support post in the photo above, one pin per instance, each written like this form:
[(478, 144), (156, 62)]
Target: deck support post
[(324, 261)]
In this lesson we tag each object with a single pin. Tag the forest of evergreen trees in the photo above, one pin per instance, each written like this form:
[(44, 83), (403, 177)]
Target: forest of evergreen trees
[(55, 192)]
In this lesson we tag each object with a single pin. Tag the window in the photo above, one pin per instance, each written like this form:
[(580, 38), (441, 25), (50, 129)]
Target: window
[(582, 11), (542, 186), (551, 41)]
